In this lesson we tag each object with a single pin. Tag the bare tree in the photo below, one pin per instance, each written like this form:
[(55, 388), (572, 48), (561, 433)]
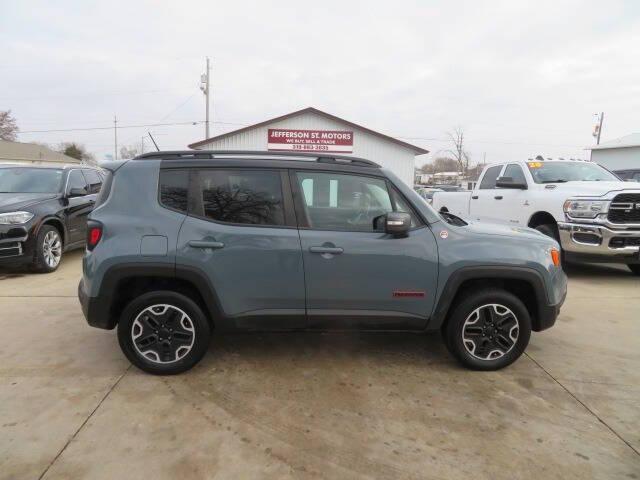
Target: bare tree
[(129, 152), (458, 153), (8, 126)]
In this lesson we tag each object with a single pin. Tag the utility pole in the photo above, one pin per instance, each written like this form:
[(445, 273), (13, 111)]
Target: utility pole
[(205, 83), (115, 138), (598, 128)]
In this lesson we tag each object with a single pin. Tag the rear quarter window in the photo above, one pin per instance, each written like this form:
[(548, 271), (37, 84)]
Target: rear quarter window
[(174, 188)]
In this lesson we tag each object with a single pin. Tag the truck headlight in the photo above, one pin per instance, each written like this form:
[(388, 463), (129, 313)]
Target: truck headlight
[(585, 208), (15, 218)]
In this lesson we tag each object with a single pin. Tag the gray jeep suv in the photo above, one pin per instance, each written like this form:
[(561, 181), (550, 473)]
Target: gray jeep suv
[(183, 243)]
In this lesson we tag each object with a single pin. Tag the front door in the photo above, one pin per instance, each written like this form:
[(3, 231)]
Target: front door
[(241, 234), (356, 276), (78, 207)]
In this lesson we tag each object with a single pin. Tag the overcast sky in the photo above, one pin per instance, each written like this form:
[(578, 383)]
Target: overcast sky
[(520, 78)]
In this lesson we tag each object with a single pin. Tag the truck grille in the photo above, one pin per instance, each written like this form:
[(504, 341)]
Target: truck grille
[(625, 208)]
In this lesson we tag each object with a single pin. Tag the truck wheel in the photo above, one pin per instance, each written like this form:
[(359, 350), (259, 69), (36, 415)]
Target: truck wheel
[(48, 250), (488, 330), (635, 268), (163, 333)]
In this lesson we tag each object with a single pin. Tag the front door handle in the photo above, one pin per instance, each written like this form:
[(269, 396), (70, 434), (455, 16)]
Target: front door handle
[(498, 197), (205, 244), (333, 250), (474, 197)]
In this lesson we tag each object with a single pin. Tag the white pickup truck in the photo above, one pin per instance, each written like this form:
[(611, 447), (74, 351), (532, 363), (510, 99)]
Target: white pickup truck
[(592, 213)]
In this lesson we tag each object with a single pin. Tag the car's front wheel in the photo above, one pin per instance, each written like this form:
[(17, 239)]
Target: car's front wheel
[(488, 330), (48, 249), (163, 332)]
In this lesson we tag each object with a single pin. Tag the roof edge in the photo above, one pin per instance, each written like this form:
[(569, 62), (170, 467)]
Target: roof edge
[(417, 150)]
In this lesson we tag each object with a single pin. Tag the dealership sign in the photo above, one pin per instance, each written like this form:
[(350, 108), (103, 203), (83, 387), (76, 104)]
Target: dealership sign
[(336, 141)]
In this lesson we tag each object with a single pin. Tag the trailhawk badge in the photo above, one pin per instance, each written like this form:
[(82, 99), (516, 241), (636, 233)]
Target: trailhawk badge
[(444, 234)]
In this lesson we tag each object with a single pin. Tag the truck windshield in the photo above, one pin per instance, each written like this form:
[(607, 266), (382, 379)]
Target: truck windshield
[(560, 172), (30, 180)]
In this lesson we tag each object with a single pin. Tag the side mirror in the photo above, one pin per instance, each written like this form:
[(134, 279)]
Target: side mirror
[(77, 192), (397, 224), (507, 182)]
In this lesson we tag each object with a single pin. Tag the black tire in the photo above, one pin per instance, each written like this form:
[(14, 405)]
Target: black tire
[(175, 337), (41, 257), (483, 300), (635, 268)]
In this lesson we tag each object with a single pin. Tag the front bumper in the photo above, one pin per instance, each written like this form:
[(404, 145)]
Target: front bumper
[(14, 247), (597, 243)]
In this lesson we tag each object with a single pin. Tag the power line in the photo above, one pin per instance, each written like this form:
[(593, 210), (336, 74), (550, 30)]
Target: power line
[(196, 122)]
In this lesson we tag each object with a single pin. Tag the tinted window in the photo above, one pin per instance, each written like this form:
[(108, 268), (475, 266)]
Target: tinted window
[(30, 180), (94, 181), (174, 185), (516, 173), (490, 177), (76, 180), (242, 196), (336, 201)]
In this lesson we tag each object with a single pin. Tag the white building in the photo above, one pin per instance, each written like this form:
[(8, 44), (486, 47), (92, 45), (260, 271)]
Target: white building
[(16, 152), (619, 154), (311, 130)]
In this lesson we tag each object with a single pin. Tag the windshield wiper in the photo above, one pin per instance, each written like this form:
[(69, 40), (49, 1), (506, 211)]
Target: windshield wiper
[(555, 181), (453, 219)]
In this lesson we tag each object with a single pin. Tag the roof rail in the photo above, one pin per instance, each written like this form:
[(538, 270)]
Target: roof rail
[(210, 154)]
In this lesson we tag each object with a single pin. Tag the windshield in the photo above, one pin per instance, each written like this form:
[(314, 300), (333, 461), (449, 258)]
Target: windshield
[(559, 172), (30, 180)]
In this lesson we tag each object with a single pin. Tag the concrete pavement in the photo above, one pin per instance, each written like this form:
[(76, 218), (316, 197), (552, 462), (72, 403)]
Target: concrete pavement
[(319, 405)]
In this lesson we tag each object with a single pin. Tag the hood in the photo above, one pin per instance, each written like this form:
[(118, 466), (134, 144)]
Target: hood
[(592, 189), (11, 202), (485, 228)]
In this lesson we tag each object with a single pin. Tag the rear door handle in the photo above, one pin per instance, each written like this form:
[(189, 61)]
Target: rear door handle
[(333, 250), (498, 197), (205, 244)]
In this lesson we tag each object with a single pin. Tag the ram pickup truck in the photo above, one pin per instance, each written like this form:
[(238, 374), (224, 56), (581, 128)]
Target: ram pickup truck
[(593, 214)]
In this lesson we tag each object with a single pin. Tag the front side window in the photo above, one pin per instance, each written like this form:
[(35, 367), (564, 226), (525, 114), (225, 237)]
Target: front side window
[(334, 201), (30, 180), (252, 197), (490, 177), (515, 173), (174, 187), (76, 180)]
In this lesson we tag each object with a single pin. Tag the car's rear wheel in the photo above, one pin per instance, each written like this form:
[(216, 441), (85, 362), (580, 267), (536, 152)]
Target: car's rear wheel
[(488, 330), (635, 268), (48, 249), (163, 333)]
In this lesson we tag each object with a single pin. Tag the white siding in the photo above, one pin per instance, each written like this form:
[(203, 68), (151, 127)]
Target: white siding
[(398, 159), (617, 158)]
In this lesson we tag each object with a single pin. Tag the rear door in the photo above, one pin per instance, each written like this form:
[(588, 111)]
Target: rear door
[(486, 201), (241, 233), (357, 276)]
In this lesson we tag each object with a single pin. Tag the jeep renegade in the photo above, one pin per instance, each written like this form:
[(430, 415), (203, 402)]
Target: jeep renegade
[(183, 243)]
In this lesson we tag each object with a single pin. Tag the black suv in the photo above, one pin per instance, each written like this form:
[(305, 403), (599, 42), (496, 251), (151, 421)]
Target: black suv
[(43, 212)]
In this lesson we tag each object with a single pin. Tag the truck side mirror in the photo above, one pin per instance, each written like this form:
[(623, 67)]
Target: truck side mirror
[(507, 182), (397, 224)]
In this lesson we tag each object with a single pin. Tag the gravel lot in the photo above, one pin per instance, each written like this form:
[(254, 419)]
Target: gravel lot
[(319, 405)]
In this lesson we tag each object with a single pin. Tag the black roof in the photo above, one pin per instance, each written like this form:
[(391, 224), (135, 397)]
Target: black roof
[(253, 155)]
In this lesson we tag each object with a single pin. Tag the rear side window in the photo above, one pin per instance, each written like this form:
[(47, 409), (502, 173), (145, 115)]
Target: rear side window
[(252, 197), (94, 181), (174, 187), (490, 177)]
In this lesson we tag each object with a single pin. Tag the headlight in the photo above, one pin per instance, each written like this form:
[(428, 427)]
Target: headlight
[(585, 208), (15, 218)]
